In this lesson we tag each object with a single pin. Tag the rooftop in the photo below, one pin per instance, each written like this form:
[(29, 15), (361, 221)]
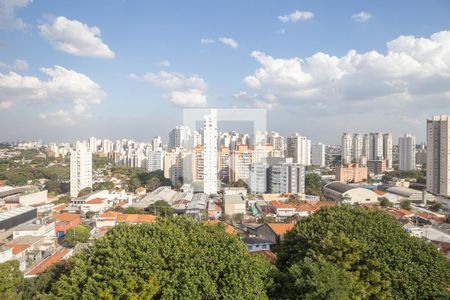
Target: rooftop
[(280, 228), (15, 212), (66, 217), (339, 186)]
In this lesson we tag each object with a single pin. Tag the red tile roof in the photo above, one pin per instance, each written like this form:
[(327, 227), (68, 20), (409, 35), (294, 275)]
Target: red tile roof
[(379, 193), (280, 228), (95, 201), (66, 217), (54, 258), (278, 204), (135, 218), (18, 248)]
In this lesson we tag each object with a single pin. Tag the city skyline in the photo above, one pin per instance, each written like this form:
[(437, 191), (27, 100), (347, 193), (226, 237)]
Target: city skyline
[(284, 58)]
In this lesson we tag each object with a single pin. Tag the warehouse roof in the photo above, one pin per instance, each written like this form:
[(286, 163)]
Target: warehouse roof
[(16, 212), (339, 187)]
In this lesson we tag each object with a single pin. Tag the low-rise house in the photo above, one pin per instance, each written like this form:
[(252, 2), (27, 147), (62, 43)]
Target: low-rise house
[(112, 218), (256, 244), (64, 222), (31, 229), (140, 191), (228, 228), (399, 213), (283, 211), (59, 255), (309, 207), (95, 205), (234, 204), (273, 232)]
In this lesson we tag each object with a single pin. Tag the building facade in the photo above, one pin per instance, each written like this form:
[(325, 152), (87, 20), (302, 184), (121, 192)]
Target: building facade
[(407, 152), (80, 169), (438, 155)]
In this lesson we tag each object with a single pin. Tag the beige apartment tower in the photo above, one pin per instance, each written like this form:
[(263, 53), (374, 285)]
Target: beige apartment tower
[(438, 155)]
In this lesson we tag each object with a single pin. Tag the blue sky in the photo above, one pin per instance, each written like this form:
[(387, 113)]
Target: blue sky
[(267, 67)]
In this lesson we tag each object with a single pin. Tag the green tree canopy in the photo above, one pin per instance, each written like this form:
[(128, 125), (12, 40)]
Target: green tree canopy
[(370, 254), (161, 208), (385, 202), (405, 204), (104, 185), (84, 192), (11, 279), (77, 234), (313, 185), (175, 258)]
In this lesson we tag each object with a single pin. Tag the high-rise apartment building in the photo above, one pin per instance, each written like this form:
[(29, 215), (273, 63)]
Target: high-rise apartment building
[(347, 148), (357, 146), (318, 154), (180, 137), (240, 160), (287, 178), (210, 137), (387, 149), (174, 164), (407, 152), (376, 146), (155, 160), (438, 155), (80, 169), (299, 148), (258, 178)]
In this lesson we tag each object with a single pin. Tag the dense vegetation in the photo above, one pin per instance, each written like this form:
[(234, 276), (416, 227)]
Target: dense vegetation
[(77, 234), (337, 253), (313, 185), (174, 258), (138, 177), (356, 253)]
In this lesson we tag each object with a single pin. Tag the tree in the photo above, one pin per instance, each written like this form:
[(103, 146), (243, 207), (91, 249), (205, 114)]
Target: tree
[(174, 258), (385, 202), (294, 199), (62, 199), (313, 185), (132, 210), (77, 234), (153, 183), (104, 185), (239, 183), (52, 185), (161, 208), (11, 279), (405, 204), (356, 242), (84, 192), (266, 219)]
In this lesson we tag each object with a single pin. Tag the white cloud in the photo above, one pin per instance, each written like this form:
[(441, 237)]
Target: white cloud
[(361, 17), (19, 65), (76, 38), (411, 70), (207, 41), (8, 19), (181, 90), (164, 63), (296, 16), (229, 42), (58, 117), (5, 104), (62, 85)]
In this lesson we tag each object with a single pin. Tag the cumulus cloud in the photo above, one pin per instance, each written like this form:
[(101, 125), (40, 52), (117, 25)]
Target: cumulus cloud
[(207, 41), (411, 70), (229, 42), (8, 20), (62, 85), (76, 38), (224, 40), (185, 91), (361, 17), (18, 65), (296, 16)]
